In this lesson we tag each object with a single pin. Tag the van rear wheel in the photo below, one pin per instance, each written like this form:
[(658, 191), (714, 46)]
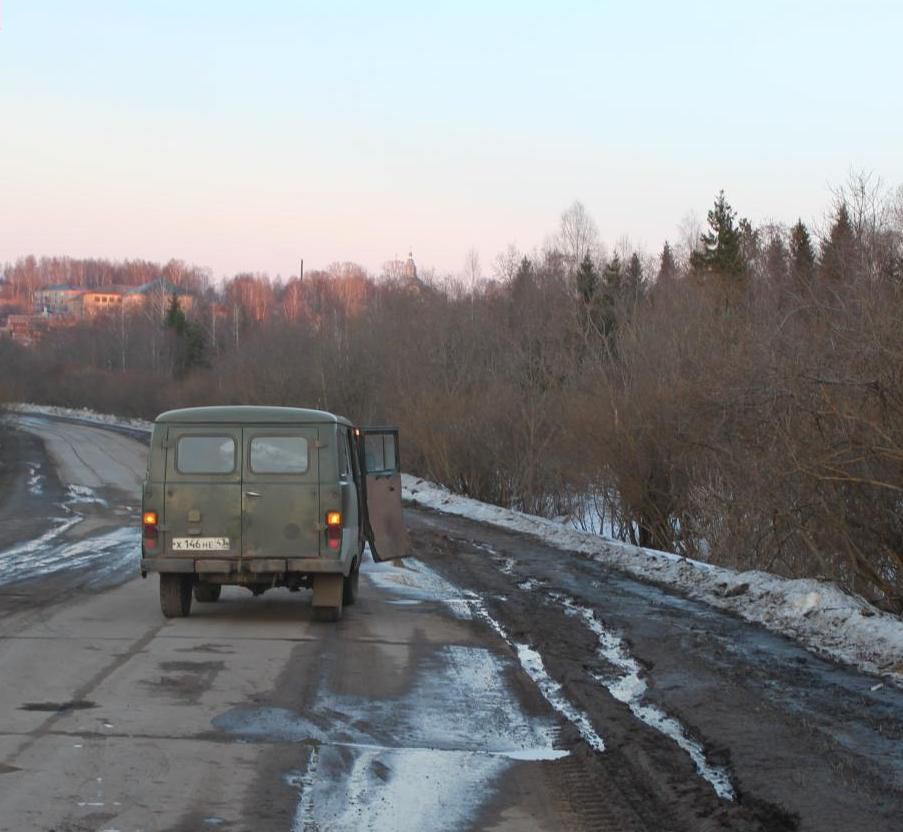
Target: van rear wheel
[(205, 593), (351, 584), (175, 594)]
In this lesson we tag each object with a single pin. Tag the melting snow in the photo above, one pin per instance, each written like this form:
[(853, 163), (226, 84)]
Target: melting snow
[(423, 581), (424, 762), (629, 687), (35, 480), (818, 614)]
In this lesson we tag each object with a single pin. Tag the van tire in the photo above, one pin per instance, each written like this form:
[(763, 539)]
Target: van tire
[(351, 585), (328, 614), (205, 593), (175, 594)]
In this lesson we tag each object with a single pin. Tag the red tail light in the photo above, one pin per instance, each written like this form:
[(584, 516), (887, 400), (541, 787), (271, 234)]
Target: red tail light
[(149, 522), (334, 530)]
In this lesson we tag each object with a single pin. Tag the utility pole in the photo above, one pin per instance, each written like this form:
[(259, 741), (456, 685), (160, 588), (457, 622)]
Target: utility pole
[(301, 273)]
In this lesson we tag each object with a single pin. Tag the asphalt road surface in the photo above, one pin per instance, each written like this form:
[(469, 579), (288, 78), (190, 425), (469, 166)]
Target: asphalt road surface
[(487, 683)]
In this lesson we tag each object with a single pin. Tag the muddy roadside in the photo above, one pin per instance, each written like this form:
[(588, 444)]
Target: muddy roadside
[(28, 485), (56, 540), (807, 744)]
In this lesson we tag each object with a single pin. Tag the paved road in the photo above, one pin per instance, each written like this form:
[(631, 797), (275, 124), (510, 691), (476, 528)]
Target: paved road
[(474, 687)]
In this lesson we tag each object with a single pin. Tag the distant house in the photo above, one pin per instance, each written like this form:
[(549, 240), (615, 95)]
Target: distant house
[(157, 294), (93, 302), (56, 300)]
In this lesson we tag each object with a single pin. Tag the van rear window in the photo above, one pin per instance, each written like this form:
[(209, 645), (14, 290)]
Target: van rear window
[(205, 455), (379, 450), (279, 455)]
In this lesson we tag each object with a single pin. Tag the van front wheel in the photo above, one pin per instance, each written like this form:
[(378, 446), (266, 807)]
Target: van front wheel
[(175, 594)]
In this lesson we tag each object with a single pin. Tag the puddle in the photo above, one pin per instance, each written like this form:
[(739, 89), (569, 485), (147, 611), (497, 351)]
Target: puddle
[(58, 707)]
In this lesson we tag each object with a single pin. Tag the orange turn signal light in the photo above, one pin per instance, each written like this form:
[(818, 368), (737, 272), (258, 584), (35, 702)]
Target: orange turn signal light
[(150, 518), (334, 518)]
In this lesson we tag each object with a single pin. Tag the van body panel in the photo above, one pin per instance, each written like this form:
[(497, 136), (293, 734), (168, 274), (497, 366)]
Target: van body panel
[(281, 492), (202, 499)]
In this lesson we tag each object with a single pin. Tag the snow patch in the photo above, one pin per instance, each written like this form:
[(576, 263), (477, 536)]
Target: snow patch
[(35, 480), (84, 414)]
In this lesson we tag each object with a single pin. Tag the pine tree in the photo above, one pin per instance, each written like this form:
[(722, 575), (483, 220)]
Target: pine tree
[(611, 295), (190, 347), (776, 259), (587, 279), (612, 277), (722, 246), (667, 269), (838, 253), (175, 317), (802, 254), (633, 278)]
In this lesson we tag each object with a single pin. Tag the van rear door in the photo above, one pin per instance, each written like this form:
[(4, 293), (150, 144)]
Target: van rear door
[(202, 502), (385, 529), (281, 493)]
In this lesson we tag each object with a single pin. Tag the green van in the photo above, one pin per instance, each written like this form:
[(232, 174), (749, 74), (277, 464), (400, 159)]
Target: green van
[(264, 497)]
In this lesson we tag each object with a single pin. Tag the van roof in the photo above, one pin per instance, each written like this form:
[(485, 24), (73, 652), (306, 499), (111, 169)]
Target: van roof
[(251, 414)]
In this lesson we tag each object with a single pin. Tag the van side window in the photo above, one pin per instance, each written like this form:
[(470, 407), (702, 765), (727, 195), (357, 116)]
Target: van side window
[(344, 456), (279, 455), (205, 455)]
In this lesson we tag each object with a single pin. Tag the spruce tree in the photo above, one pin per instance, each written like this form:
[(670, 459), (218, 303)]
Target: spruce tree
[(612, 277), (802, 254), (667, 269), (587, 279), (611, 295), (633, 278), (776, 257), (722, 250), (838, 254)]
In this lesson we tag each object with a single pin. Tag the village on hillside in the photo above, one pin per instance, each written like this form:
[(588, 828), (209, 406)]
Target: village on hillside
[(62, 305)]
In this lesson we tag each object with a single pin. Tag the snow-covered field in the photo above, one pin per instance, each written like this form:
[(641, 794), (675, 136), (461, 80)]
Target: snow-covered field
[(818, 614)]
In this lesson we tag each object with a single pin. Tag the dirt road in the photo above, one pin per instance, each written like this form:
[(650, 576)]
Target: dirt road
[(486, 684)]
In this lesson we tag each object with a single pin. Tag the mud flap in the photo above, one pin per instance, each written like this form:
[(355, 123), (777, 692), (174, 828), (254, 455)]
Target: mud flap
[(328, 592)]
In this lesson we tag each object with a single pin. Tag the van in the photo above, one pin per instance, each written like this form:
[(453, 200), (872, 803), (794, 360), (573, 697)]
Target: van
[(264, 497)]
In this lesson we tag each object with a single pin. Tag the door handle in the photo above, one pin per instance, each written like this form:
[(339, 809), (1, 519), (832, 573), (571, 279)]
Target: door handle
[(252, 493)]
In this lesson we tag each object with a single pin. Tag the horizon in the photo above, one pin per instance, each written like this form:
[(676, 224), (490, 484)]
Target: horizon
[(246, 140)]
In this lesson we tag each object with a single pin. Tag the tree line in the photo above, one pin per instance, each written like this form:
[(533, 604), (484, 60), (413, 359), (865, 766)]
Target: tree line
[(736, 398)]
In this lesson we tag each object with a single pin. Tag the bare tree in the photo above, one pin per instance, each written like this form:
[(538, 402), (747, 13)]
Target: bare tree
[(578, 235), (472, 271)]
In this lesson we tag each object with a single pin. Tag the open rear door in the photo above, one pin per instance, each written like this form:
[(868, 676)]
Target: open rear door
[(381, 465)]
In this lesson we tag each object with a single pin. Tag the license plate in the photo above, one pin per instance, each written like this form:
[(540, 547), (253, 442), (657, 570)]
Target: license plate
[(200, 544)]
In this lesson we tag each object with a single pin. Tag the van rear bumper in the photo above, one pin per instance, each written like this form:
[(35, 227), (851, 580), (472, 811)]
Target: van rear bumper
[(252, 566)]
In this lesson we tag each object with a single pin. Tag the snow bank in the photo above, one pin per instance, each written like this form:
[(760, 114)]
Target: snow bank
[(816, 613), (82, 414)]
